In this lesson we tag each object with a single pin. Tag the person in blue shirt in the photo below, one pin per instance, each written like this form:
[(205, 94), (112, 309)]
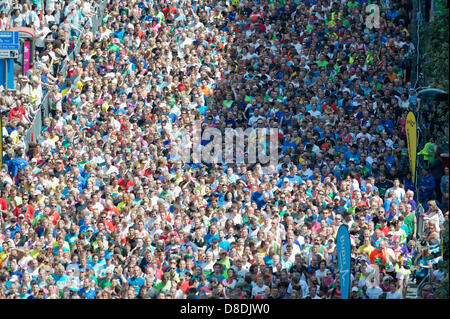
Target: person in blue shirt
[(188, 242), (353, 153), (391, 160), (218, 270), (16, 164), (87, 292), (388, 200), (9, 155), (409, 183), (136, 281), (424, 264), (35, 290), (223, 243), (293, 177), (393, 213), (13, 228), (212, 233), (288, 142), (258, 198), (427, 185)]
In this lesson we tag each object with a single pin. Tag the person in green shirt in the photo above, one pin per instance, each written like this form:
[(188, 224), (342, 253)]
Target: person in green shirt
[(164, 285), (352, 4), (428, 152), (165, 192), (410, 221), (106, 281), (38, 3), (228, 101), (322, 62), (225, 262)]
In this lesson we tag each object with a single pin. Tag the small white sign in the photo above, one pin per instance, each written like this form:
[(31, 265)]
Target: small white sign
[(9, 54)]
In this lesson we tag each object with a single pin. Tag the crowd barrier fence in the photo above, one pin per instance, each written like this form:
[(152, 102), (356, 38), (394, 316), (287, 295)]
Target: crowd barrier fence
[(34, 131)]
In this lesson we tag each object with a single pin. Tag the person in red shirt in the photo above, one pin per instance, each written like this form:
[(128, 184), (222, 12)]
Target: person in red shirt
[(26, 209), (110, 208), (187, 284), (384, 227), (329, 108), (17, 112), (112, 224), (126, 182), (3, 205), (54, 216)]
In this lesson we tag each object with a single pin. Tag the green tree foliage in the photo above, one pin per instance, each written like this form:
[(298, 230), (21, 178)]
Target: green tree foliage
[(435, 33)]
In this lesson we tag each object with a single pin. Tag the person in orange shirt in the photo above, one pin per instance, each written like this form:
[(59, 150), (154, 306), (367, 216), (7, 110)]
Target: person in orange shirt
[(379, 256)]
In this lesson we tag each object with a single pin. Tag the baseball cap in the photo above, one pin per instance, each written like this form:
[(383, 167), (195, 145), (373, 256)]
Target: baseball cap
[(355, 289), (214, 219)]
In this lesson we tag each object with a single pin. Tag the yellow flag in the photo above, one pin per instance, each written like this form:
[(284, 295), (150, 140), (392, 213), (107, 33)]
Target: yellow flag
[(80, 85), (65, 92), (411, 139)]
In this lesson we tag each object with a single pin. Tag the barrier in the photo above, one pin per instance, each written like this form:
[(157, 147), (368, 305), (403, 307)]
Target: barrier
[(34, 131)]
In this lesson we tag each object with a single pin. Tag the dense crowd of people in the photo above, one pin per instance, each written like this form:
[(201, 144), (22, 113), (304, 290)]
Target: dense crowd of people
[(103, 206)]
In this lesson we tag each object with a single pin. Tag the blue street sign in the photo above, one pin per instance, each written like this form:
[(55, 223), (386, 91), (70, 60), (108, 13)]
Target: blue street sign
[(9, 40)]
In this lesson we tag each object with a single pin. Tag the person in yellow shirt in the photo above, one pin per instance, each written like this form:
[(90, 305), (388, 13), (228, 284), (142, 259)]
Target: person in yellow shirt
[(366, 248), (235, 3)]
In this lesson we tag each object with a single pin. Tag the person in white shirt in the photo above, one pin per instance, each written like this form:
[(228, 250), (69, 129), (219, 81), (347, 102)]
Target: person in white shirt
[(322, 271), (239, 270), (313, 293), (314, 111), (259, 288), (393, 293), (364, 134), (33, 18), (398, 191), (297, 280), (373, 290)]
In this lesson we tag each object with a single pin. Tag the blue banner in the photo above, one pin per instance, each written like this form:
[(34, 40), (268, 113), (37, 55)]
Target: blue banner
[(343, 249)]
